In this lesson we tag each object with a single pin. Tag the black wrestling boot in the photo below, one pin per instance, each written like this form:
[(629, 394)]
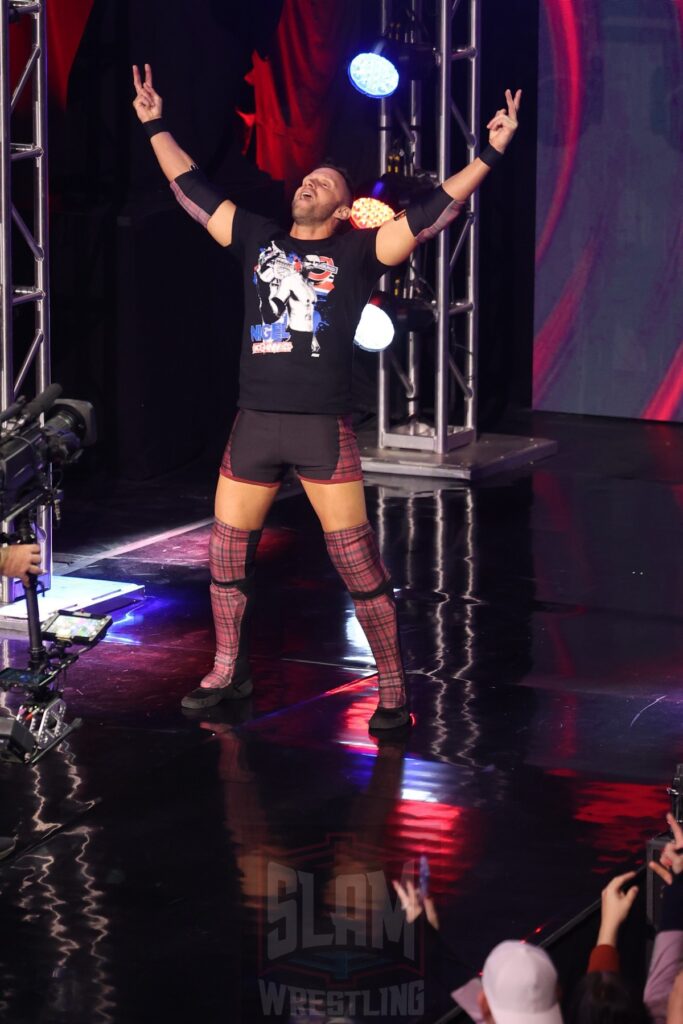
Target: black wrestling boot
[(209, 696), (383, 719)]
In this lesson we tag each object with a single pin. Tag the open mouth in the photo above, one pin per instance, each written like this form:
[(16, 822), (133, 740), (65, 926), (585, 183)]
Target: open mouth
[(305, 194)]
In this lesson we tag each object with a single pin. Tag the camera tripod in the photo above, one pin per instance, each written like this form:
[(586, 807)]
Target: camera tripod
[(40, 724)]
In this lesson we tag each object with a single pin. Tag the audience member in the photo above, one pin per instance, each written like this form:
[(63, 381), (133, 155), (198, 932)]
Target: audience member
[(667, 955), (603, 997), (519, 983)]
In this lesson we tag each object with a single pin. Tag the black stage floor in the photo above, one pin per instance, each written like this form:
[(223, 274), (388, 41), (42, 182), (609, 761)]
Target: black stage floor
[(164, 862)]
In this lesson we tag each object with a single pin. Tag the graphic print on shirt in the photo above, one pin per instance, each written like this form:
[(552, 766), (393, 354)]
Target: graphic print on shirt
[(292, 291)]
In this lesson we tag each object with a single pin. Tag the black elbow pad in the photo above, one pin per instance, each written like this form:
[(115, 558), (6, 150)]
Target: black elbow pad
[(428, 216), (197, 195)]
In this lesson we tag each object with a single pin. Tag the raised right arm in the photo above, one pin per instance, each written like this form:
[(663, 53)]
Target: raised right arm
[(192, 190)]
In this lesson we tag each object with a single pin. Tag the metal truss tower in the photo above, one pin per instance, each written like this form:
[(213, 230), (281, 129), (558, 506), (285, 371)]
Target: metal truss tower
[(421, 445), (33, 153)]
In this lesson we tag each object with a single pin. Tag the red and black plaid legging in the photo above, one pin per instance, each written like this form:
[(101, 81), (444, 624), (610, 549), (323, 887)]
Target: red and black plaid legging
[(356, 558), (231, 561)]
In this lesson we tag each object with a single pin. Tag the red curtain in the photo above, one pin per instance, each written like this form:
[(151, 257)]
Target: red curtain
[(294, 94), (294, 87), (65, 25)]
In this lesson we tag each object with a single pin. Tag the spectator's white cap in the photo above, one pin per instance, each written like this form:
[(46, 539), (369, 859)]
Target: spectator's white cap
[(520, 985)]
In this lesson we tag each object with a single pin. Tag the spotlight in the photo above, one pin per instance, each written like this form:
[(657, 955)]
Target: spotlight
[(400, 190), (414, 60), (411, 314), (373, 75), (376, 74), (375, 330), (388, 194), (367, 212), (386, 314)]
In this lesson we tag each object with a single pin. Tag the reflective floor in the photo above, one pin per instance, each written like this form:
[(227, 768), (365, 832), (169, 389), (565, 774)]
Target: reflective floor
[(212, 867)]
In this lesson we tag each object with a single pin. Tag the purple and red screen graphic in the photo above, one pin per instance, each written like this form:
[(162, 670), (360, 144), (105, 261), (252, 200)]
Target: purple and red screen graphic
[(609, 243)]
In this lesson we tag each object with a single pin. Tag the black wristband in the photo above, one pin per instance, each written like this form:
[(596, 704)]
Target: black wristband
[(154, 127), (490, 156)]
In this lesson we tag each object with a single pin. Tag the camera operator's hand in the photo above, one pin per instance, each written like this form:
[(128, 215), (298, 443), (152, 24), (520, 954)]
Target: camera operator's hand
[(616, 905), (18, 560)]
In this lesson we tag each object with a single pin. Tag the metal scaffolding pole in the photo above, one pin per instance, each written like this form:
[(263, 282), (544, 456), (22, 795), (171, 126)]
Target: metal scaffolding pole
[(35, 236), (420, 444), (443, 158), (65, 592), (415, 432), (472, 299), (414, 163), (383, 377)]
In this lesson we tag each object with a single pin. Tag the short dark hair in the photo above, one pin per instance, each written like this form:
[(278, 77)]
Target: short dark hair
[(333, 166)]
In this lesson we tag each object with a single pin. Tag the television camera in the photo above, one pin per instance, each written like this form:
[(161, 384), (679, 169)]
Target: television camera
[(33, 452)]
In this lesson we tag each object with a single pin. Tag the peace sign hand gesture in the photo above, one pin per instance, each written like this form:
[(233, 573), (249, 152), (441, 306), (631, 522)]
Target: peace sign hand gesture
[(147, 103), (503, 124)]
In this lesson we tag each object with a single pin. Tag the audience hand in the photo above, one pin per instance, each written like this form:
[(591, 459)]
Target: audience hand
[(616, 905), (671, 859), (413, 903)]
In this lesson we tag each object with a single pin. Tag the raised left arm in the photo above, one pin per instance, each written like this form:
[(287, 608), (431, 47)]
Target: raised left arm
[(396, 239)]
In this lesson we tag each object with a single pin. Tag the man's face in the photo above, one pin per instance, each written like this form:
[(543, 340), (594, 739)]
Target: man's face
[(320, 195)]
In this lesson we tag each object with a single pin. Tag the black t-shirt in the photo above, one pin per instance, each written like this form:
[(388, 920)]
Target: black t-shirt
[(303, 301)]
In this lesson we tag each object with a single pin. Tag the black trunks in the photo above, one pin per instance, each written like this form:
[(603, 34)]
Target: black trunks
[(263, 445)]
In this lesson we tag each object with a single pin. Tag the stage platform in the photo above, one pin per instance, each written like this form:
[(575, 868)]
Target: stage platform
[(161, 854)]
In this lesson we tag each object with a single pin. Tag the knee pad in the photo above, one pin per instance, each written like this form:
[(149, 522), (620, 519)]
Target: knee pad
[(385, 588)]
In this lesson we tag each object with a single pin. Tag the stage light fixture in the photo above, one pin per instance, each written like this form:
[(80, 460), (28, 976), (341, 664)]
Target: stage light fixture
[(385, 315), (373, 75), (368, 212), (400, 190), (377, 73), (411, 314), (375, 330), (388, 194)]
